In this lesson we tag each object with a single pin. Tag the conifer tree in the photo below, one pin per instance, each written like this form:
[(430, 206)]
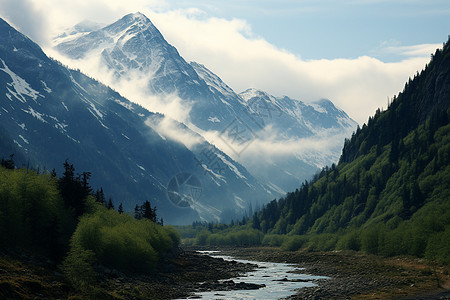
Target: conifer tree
[(110, 204)]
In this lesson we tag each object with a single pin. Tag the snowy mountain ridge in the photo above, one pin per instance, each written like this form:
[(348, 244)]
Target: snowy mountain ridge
[(133, 46), (49, 113)]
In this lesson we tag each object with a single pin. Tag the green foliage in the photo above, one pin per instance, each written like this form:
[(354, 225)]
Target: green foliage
[(122, 242), (32, 214), (293, 243), (241, 236), (350, 241), (324, 241), (273, 240), (77, 268), (40, 213), (438, 247), (202, 237)]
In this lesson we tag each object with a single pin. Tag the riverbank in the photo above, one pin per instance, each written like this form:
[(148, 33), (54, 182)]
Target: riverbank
[(28, 277), (352, 275), (357, 275)]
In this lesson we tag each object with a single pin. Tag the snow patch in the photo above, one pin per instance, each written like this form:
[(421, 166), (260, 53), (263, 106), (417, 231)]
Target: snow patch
[(35, 114), (239, 202), (231, 166), (24, 139), (140, 167), (214, 119), (124, 104), (319, 108), (22, 126), (46, 88), (21, 87), (64, 106), (96, 111), (16, 142)]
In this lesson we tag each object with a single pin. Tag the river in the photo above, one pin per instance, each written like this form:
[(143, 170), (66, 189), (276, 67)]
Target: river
[(281, 280)]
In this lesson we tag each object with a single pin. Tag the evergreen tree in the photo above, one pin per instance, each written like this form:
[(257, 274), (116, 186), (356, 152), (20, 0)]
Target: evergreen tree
[(137, 212), (120, 209), (110, 204), (255, 222), (8, 163), (148, 212), (73, 191)]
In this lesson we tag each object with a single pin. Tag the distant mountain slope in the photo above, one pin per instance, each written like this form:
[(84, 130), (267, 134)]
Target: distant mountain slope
[(49, 114), (132, 47), (390, 192)]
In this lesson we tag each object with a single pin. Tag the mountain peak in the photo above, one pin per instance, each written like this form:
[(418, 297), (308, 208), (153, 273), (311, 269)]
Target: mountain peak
[(251, 93), (138, 18)]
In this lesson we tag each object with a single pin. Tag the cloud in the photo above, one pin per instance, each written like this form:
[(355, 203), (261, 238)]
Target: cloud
[(25, 16), (423, 50), (168, 128)]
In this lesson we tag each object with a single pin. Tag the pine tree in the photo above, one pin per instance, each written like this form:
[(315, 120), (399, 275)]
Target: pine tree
[(137, 212), (148, 212), (110, 204), (120, 209), (72, 190), (8, 163), (256, 224)]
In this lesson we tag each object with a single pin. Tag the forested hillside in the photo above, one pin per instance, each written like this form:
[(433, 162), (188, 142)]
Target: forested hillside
[(390, 192), (61, 219)]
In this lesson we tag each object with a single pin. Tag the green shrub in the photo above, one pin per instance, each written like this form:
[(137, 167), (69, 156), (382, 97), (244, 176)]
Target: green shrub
[(293, 243), (122, 242), (323, 242), (77, 267), (273, 240), (350, 241), (438, 247), (202, 237)]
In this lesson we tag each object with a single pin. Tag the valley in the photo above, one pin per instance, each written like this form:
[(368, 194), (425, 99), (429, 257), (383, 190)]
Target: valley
[(128, 172)]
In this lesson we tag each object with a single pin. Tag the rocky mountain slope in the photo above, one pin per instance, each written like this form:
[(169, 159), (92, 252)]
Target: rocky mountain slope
[(50, 113)]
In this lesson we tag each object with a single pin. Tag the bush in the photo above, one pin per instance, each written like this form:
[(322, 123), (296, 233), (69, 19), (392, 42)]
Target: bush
[(438, 247), (77, 267), (293, 243), (323, 242), (350, 241), (202, 237), (273, 240), (372, 239), (122, 242)]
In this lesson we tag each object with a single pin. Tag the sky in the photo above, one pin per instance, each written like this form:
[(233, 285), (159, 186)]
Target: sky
[(357, 53)]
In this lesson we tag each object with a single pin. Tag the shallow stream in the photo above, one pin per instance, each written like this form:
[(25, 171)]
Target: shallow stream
[(281, 280)]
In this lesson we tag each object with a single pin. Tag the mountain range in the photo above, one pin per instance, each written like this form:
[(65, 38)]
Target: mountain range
[(50, 113), (132, 52)]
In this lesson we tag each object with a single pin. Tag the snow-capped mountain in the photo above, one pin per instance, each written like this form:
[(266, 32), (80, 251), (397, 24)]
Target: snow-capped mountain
[(294, 118), (132, 47), (133, 44), (49, 113)]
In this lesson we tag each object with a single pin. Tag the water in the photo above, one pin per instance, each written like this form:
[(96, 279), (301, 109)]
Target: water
[(267, 273)]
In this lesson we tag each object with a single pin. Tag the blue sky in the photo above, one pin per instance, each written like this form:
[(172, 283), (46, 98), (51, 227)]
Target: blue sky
[(357, 53), (318, 29)]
